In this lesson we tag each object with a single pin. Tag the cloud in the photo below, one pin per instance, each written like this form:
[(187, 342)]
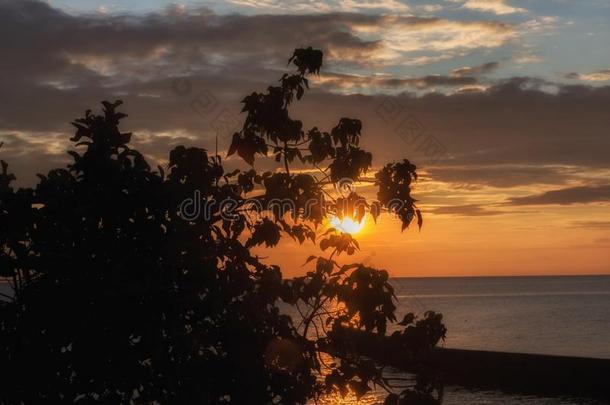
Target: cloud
[(282, 6), (511, 135), (30, 153), (501, 176), (526, 57), (476, 70), (97, 44), (441, 35), (468, 210), (499, 7), (600, 225), (599, 76), (566, 196), (377, 82), (198, 38), (429, 8), (540, 25), (515, 134), (73, 61), (471, 88), (57, 65)]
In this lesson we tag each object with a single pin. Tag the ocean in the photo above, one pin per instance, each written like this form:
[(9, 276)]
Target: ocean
[(544, 315), (566, 315)]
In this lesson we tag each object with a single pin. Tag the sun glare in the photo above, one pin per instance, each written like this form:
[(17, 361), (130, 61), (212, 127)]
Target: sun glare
[(347, 224)]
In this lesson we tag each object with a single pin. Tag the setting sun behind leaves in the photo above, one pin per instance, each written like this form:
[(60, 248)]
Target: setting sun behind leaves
[(347, 224)]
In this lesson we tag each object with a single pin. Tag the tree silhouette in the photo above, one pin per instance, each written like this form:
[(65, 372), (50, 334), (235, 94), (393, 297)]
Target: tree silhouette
[(118, 297)]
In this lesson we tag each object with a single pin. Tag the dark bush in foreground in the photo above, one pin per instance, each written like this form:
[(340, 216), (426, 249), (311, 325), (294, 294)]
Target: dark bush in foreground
[(118, 298)]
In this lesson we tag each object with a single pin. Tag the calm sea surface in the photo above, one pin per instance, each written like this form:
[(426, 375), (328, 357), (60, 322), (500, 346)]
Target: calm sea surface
[(544, 315)]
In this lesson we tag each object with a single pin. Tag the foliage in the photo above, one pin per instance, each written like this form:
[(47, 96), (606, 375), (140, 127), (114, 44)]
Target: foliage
[(120, 298)]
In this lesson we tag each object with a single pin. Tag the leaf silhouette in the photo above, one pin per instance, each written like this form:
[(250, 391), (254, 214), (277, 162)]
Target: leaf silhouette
[(131, 286)]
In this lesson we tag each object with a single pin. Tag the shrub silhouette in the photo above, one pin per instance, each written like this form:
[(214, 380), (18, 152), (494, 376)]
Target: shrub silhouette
[(119, 298)]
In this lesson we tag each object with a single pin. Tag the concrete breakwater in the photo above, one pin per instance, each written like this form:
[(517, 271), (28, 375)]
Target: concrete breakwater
[(509, 372)]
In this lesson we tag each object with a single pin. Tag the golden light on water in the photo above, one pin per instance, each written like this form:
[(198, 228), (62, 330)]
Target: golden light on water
[(374, 397), (347, 224)]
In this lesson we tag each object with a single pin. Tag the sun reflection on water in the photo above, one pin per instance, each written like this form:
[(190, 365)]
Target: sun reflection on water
[(350, 399), (371, 398)]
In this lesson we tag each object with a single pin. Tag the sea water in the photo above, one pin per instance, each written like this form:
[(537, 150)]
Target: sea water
[(567, 315)]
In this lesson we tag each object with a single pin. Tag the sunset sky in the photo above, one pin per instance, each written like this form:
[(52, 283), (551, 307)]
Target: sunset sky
[(503, 105)]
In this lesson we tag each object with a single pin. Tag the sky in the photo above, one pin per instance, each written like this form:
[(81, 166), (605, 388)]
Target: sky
[(503, 105)]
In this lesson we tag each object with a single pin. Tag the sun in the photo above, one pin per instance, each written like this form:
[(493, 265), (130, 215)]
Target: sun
[(347, 224)]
